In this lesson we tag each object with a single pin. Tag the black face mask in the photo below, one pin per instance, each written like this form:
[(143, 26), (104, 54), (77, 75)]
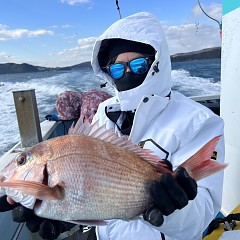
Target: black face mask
[(129, 80)]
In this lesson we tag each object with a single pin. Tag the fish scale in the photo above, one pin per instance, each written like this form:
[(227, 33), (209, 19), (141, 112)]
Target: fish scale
[(121, 187)]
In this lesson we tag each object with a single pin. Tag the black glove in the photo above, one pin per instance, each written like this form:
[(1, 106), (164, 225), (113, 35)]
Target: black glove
[(47, 229), (169, 194)]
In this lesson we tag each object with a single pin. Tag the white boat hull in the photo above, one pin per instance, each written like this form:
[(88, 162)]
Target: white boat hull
[(230, 101)]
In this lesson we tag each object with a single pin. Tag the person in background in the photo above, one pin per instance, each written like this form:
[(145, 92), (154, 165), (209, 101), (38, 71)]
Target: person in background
[(132, 55), (71, 105)]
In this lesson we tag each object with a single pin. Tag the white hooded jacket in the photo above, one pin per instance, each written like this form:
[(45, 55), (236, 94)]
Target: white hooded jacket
[(174, 128)]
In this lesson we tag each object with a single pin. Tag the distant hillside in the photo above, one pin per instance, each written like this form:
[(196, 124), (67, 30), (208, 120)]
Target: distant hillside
[(86, 65), (17, 68), (209, 53), (82, 65), (8, 68)]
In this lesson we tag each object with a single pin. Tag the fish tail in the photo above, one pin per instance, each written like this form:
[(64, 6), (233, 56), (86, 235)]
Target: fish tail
[(200, 165)]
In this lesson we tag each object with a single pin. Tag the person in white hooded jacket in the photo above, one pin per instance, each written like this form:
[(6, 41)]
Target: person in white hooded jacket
[(132, 55), (157, 118)]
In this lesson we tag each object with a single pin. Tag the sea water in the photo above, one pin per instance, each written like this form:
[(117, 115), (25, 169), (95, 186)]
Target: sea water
[(190, 78)]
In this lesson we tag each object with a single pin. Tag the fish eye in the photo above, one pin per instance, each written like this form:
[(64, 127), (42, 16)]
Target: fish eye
[(21, 159)]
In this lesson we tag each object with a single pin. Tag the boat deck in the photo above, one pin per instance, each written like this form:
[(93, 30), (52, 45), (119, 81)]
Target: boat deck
[(217, 233)]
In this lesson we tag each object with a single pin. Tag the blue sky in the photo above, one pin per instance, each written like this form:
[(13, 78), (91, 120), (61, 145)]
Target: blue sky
[(55, 33)]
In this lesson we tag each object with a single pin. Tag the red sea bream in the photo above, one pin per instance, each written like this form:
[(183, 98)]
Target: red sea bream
[(92, 174)]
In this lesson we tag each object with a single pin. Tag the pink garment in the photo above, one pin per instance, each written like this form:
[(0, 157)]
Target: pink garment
[(90, 102), (71, 105)]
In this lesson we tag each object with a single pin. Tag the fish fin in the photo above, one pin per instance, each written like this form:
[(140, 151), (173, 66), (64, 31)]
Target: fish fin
[(38, 190), (108, 135), (89, 222), (80, 127), (200, 164)]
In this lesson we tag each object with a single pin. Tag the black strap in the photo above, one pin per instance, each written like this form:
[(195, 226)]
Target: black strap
[(126, 125), (92, 234), (162, 236), (83, 234)]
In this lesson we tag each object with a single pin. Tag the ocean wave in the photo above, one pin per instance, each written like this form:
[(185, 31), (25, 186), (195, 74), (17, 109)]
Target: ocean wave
[(193, 86), (49, 84)]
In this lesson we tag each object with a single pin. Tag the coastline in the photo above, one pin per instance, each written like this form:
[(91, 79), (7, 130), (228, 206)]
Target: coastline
[(8, 68)]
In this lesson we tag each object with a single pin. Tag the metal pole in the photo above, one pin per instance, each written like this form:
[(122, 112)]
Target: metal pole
[(28, 118)]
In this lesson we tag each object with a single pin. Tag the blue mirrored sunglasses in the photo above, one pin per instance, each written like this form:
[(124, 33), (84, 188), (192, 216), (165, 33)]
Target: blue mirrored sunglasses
[(137, 66)]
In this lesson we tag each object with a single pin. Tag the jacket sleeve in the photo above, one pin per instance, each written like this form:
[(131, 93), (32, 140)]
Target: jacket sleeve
[(192, 220)]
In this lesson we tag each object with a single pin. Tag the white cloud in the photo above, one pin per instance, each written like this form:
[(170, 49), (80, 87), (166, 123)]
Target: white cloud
[(66, 26), (4, 57), (61, 26), (6, 34), (197, 33), (7, 58), (213, 10), (85, 44), (191, 37), (2, 26), (86, 41), (67, 57), (74, 2), (81, 53)]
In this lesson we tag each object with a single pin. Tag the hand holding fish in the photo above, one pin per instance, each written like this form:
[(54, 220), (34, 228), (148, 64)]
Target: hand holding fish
[(168, 194), (46, 228)]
